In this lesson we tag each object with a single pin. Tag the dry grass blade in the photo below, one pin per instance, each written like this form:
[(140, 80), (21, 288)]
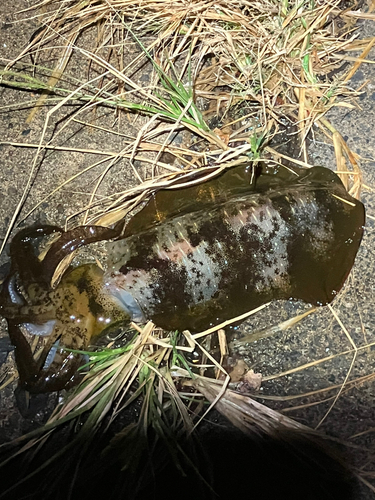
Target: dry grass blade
[(286, 78), (271, 330), (244, 412), (319, 361), (249, 67)]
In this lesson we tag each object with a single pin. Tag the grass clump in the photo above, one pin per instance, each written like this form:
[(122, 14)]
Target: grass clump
[(225, 80)]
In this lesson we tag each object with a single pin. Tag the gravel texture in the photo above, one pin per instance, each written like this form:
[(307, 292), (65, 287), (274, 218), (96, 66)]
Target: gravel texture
[(317, 336)]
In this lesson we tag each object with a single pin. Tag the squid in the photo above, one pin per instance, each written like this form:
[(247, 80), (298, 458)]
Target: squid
[(191, 258)]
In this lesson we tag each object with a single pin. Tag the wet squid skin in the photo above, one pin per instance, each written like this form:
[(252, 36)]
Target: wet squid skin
[(200, 268), (73, 315), (190, 259)]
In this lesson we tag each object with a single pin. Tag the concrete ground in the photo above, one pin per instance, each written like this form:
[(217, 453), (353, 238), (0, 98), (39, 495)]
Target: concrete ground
[(316, 337)]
